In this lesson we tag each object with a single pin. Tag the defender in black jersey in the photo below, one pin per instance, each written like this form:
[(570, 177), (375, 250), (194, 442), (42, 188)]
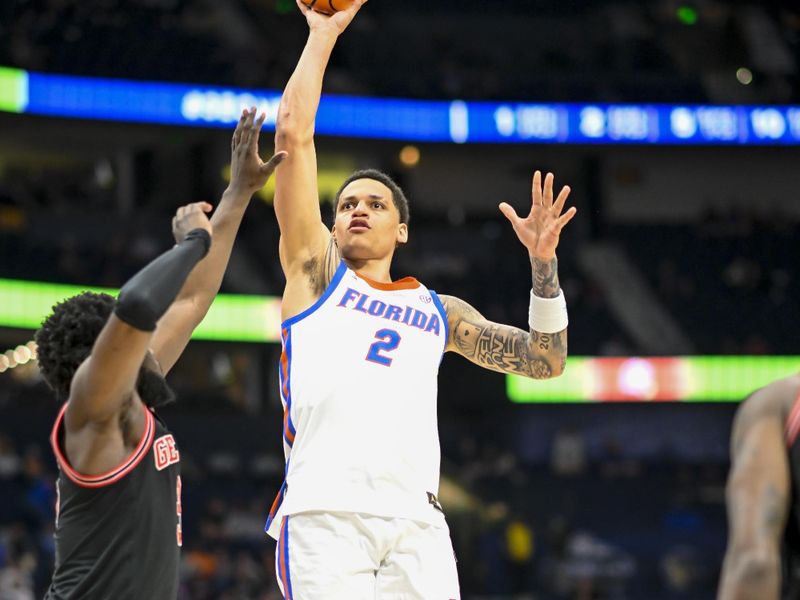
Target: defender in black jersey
[(763, 557), (118, 518)]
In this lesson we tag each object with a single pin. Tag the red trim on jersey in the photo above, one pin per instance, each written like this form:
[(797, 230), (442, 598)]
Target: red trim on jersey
[(285, 389), (114, 475), (285, 365), (283, 568), (286, 429), (407, 283), (793, 423), (276, 504)]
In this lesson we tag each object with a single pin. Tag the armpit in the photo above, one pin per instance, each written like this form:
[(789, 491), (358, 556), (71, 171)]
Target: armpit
[(320, 269)]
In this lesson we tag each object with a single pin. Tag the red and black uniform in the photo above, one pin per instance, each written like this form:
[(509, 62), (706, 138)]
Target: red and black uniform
[(118, 534), (791, 539)]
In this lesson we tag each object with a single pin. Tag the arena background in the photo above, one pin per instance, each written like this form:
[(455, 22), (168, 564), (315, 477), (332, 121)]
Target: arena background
[(675, 124)]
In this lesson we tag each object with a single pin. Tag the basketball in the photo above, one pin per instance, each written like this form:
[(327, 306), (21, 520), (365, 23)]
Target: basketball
[(328, 7)]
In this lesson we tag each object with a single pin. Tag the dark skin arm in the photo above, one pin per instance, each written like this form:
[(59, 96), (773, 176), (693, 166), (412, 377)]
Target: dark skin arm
[(105, 416), (248, 175), (758, 495)]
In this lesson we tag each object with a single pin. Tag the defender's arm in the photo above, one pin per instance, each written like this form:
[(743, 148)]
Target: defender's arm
[(248, 175), (758, 496)]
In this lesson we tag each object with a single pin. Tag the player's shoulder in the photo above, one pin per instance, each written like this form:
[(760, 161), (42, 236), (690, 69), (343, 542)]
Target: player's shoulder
[(775, 399), (456, 307)]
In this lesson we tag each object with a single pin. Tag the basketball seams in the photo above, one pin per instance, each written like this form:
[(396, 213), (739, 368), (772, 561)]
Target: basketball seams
[(328, 7)]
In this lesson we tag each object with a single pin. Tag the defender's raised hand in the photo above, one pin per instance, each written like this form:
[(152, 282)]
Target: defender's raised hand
[(248, 172), (540, 230), (335, 23), (190, 217)]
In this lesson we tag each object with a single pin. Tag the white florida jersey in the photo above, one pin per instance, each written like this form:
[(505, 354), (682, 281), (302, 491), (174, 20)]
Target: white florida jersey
[(358, 379)]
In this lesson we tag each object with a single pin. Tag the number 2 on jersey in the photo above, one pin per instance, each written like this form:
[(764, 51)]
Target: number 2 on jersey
[(389, 340)]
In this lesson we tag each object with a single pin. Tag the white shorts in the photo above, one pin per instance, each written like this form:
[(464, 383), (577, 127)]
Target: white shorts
[(346, 556)]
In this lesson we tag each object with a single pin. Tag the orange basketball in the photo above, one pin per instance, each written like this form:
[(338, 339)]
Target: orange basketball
[(328, 7)]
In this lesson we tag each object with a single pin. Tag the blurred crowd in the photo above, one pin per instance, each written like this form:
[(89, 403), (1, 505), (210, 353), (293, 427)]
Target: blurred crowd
[(654, 51), (584, 518), (731, 263), (706, 273)]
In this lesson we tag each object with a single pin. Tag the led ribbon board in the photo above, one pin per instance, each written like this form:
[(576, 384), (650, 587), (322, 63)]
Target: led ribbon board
[(396, 119), (235, 318), (24, 304), (631, 379)]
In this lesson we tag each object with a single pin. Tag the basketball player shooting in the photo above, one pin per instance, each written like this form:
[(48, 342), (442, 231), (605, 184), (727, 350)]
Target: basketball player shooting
[(118, 517), (357, 516), (762, 561)]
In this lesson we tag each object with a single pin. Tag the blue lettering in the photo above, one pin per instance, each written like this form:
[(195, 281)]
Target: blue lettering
[(377, 308), (350, 294), (360, 304), (393, 313), (433, 325), (420, 319)]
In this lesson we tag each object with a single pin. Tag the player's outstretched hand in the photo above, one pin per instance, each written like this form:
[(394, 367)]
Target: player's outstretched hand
[(335, 23), (540, 230), (248, 172), (190, 217)]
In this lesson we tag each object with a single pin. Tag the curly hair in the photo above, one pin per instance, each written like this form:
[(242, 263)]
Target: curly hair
[(66, 337), (398, 197)]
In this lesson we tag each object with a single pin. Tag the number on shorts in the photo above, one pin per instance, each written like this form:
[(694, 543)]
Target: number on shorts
[(389, 340)]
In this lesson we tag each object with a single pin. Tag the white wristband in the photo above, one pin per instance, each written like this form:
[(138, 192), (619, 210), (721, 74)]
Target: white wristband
[(548, 315)]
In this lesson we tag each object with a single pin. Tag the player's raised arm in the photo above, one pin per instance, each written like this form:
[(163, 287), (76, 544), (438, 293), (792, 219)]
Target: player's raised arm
[(248, 175), (758, 497), (540, 353), (303, 235), (503, 348), (104, 382)]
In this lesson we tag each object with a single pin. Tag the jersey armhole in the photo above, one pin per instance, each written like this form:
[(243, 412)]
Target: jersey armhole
[(340, 271), (113, 475), (445, 323)]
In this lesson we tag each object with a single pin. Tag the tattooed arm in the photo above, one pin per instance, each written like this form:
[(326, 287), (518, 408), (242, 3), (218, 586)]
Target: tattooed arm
[(758, 496), (504, 348)]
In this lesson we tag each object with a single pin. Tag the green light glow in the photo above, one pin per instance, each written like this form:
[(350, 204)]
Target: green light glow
[(24, 304), (732, 378), (234, 318), (13, 90), (571, 387), (687, 15), (676, 379), (284, 7)]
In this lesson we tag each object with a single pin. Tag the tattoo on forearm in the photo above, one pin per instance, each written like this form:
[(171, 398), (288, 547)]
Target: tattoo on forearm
[(504, 348), (773, 510), (545, 278), (544, 341)]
